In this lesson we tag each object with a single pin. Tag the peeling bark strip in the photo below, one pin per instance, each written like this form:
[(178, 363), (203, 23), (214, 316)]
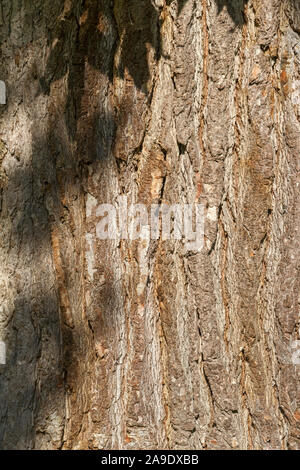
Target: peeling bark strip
[(2, 353), (2, 92), (141, 344)]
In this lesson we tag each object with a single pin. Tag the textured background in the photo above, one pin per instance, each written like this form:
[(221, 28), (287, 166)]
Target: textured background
[(144, 345)]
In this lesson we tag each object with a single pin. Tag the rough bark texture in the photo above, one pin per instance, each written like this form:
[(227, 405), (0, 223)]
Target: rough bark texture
[(144, 345)]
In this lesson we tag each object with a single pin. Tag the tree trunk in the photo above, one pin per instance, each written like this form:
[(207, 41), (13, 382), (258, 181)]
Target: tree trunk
[(122, 344)]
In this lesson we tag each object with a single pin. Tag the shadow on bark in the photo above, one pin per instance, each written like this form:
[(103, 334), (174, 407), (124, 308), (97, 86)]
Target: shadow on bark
[(87, 30), (85, 39), (235, 9)]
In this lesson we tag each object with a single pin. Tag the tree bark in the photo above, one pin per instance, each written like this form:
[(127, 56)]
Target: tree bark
[(144, 345)]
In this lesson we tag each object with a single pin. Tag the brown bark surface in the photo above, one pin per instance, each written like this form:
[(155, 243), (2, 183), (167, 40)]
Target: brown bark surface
[(135, 345)]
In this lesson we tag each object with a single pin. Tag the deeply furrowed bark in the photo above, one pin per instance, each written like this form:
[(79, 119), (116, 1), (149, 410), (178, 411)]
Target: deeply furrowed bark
[(134, 344)]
